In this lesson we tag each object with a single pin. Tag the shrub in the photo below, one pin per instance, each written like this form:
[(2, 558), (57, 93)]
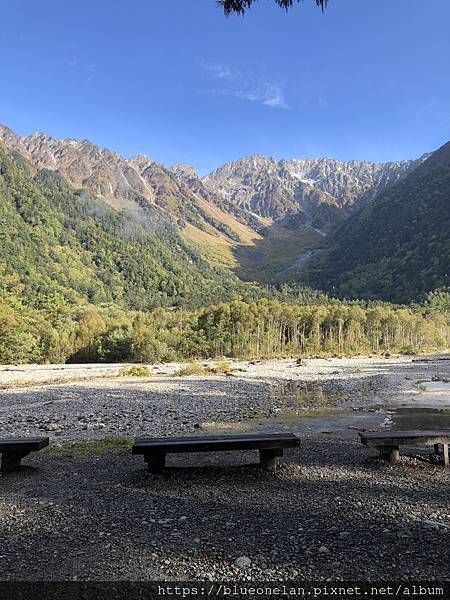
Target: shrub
[(221, 366), (193, 368), (136, 371)]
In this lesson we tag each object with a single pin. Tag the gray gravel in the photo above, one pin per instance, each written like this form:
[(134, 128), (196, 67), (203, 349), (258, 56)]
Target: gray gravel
[(331, 511), (166, 405)]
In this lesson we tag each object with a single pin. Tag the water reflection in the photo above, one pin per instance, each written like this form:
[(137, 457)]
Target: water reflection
[(406, 418), (301, 406)]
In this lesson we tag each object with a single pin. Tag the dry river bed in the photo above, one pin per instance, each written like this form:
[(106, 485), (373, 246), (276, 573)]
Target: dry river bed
[(331, 511)]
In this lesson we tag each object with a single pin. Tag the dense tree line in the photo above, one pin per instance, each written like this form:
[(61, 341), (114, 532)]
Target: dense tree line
[(261, 329)]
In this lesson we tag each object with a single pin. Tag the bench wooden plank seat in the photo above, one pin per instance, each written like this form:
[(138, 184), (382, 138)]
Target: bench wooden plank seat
[(14, 449), (388, 442), (270, 447)]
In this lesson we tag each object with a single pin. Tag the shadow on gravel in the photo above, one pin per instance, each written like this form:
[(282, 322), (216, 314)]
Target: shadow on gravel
[(22, 471), (292, 478), (101, 517)]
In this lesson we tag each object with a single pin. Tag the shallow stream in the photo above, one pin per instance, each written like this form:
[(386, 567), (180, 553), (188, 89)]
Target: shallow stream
[(425, 407)]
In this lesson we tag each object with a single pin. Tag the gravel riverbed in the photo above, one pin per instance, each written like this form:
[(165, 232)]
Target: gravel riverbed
[(103, 405), (331, 511)]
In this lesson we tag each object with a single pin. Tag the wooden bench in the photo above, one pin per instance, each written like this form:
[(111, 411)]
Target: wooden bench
[(389, 442), (14, 449), (270, 447)]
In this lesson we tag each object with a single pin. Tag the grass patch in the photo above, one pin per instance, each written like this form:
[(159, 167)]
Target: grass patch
[(136, 371), (220, 367), (87, 448), (194, 368), (306, 395), (408, 351), (216, 249)]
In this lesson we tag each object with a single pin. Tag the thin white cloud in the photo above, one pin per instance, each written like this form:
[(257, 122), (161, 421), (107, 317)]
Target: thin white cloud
[(274, 97), (245, 88), (221, 71), (267, 94)]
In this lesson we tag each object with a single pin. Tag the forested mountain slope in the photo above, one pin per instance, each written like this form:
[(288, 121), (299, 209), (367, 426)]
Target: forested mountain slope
[(397, 247), (255, 215), (68, 242), (128, 184), (94, 226)]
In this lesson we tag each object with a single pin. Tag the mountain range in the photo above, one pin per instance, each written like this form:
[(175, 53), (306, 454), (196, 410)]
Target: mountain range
[(398, 246), (256, 219), (321, 191)]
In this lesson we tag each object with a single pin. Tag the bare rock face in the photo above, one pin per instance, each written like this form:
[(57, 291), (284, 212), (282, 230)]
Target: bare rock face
[(184, 170), (126, 184), (324, 189), (83, 164), (318, 193)]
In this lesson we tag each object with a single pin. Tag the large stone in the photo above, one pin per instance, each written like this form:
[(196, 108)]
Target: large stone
[(243, 562)]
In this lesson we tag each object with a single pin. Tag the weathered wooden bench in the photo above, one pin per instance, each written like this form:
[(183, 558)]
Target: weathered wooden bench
[(388, 442), (270, 447), (14, 449)]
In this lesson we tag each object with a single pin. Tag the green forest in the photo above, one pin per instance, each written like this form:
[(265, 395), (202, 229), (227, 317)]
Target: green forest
[(65, 243), (81, 282), (262, 329)]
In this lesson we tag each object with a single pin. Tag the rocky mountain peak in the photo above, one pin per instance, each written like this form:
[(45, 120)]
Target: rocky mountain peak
[(317, 192), (140, 162), (11, 140), (276, 188), (184, 170)]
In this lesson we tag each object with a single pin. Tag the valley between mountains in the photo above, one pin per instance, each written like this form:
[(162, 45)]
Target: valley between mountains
[(256, 219), (112, 259)]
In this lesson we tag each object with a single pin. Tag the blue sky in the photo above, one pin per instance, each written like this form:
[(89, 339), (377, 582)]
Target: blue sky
[(369, 79)]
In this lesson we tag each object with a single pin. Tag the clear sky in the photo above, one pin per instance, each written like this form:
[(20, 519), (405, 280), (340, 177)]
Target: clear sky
[(369, 79)]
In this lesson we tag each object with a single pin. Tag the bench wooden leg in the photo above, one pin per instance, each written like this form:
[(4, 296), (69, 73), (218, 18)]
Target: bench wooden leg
[(390, 453), (156, 462), (11, 460), (444, 453), (445, 457), (268, 458)]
